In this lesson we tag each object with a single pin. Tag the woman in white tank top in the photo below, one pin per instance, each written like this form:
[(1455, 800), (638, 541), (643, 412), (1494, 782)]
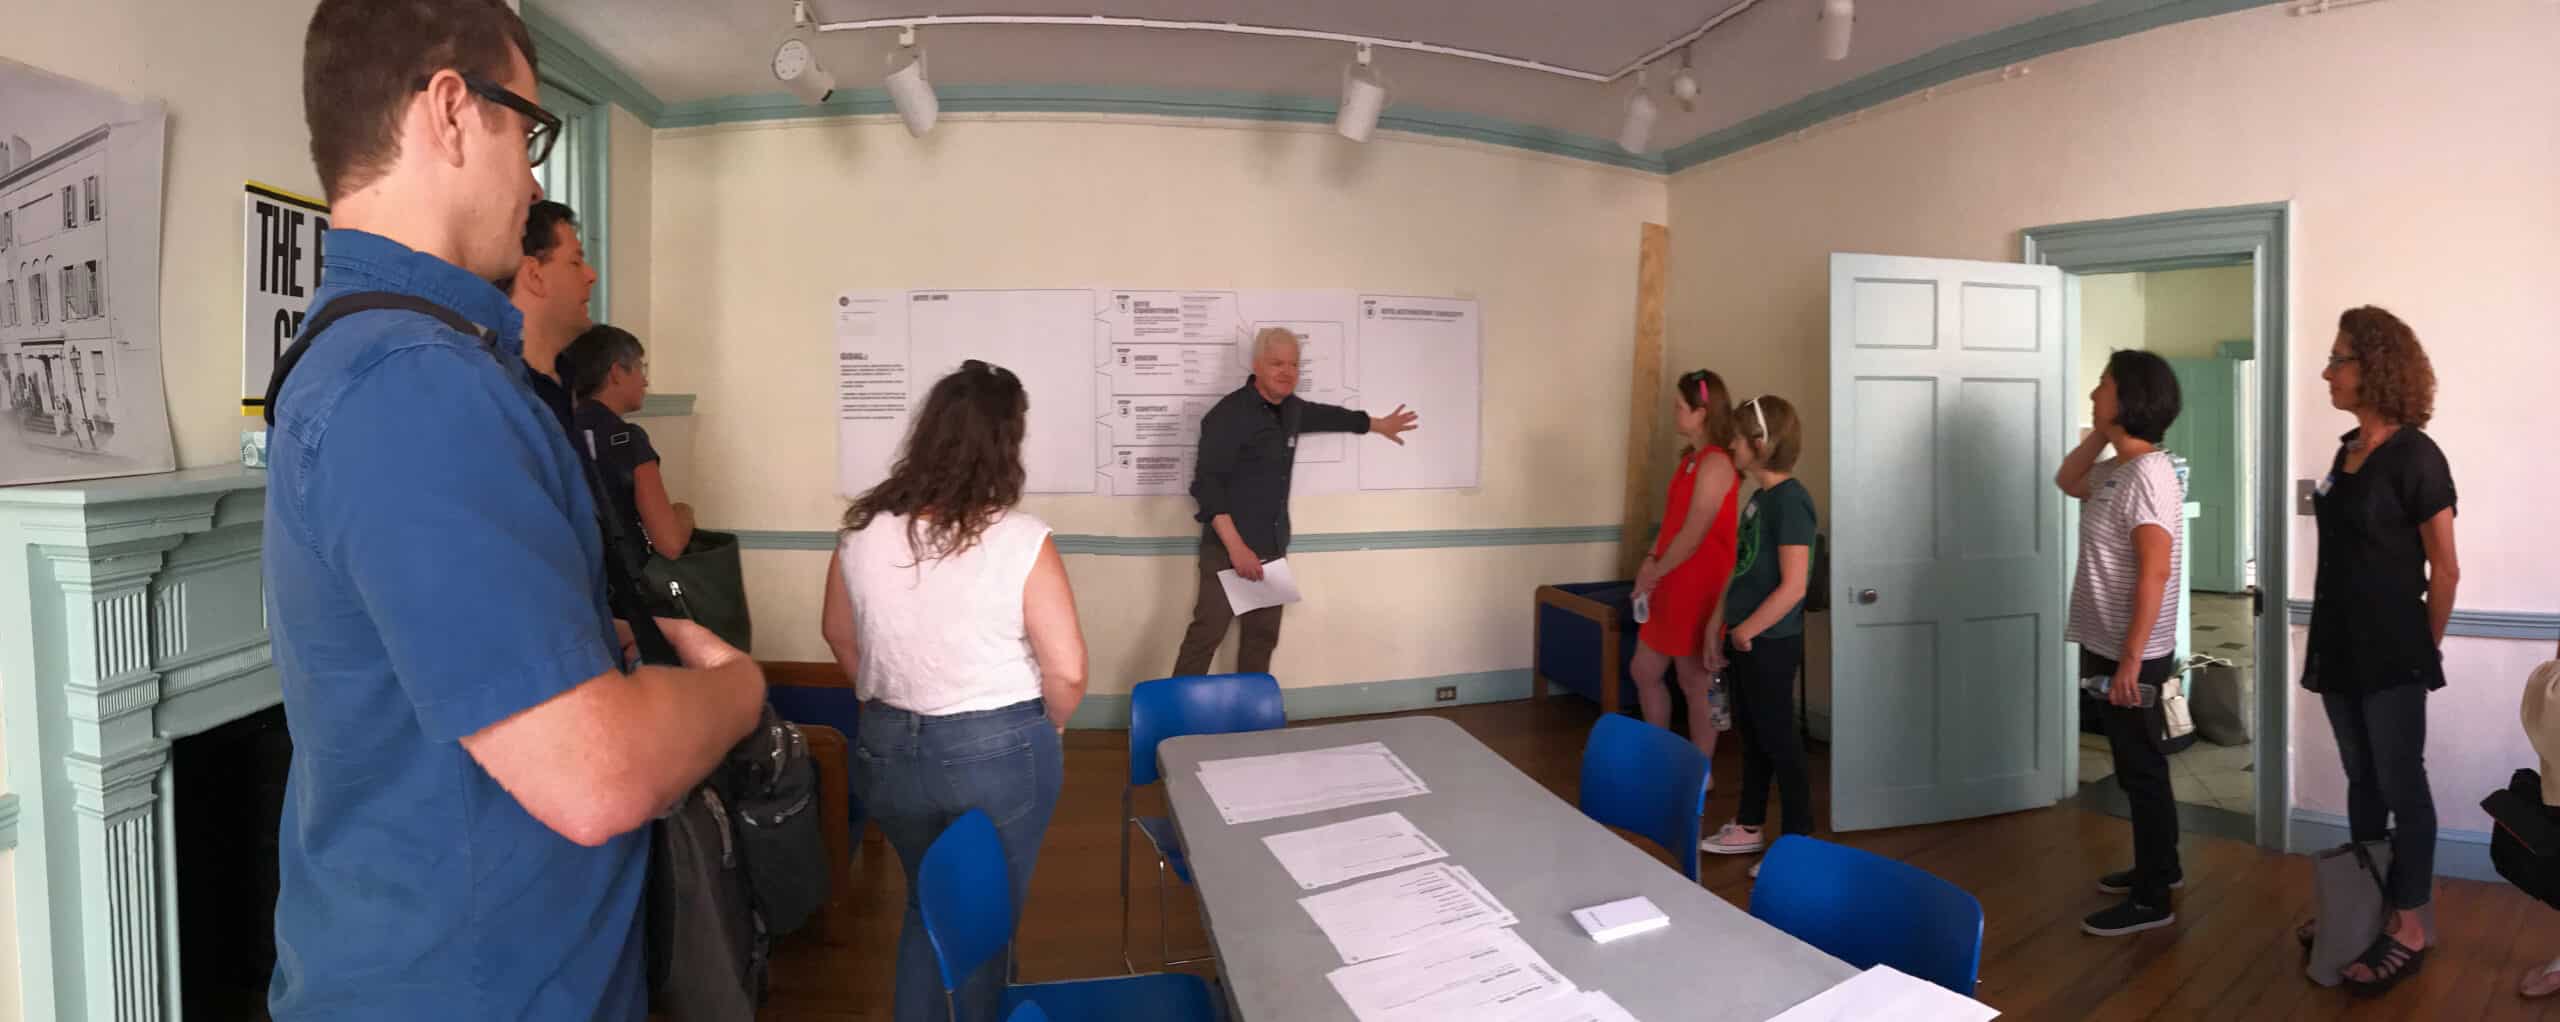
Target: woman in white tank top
[(950, 611)]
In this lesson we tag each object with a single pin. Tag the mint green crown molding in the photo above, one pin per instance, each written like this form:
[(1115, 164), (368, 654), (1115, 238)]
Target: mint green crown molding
[(2080, 26), (1210, 104), (570, 59), (664, 405)]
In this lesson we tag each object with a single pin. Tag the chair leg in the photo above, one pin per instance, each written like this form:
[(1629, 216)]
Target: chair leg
[(1126, 823)]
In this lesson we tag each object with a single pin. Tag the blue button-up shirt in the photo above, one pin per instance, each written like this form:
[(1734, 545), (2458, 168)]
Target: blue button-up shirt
[(432, 568)]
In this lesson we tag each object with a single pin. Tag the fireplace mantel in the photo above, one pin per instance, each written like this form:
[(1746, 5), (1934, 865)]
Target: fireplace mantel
[(131, 614)]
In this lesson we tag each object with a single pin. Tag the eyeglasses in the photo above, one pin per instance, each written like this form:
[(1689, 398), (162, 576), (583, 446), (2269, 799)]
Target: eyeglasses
[(2339, 360), (1757, 416), (538, 138)]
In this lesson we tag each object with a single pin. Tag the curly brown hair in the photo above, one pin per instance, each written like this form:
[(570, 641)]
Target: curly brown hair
[(962, 468), (2394, 377)]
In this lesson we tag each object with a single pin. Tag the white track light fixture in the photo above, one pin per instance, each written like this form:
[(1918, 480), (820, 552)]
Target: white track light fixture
[(1636, 133), (1837, 18), (1684, 86), (908, 89), (798, 68), (1364, 95)]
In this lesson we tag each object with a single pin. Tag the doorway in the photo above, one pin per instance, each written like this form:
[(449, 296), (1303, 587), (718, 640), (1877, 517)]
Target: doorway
[(2191, 266), (2201, 320)]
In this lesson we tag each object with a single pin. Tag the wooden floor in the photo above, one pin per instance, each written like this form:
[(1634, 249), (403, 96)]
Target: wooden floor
[(2231, 955)]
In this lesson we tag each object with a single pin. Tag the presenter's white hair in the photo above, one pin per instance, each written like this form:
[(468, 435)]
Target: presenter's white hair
[(1270, 337)]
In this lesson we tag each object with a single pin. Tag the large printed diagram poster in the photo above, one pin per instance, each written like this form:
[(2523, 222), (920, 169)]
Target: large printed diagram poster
[(1119, 378), (80, 394)]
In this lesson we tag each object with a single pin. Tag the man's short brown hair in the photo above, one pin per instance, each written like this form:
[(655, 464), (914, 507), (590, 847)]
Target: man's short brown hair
[(362, 60)]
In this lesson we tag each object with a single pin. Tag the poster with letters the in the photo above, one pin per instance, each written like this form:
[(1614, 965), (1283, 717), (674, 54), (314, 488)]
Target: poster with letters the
[(80, 385), (280, 236)]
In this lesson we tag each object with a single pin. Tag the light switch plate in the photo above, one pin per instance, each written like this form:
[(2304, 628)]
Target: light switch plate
[(2303, 492)]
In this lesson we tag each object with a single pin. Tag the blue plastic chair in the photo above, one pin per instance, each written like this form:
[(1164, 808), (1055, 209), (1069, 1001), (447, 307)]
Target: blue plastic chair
[(1029, 1012), (1639, 777), (1212, 704), (1868, 910), (967, 899)]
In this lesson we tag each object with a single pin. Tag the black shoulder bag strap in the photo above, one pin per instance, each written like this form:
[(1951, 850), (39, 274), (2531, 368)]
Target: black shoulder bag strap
[(347, 305)]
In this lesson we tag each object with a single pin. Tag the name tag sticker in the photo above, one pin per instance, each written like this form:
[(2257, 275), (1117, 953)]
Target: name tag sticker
[(2326, 481), (622, 439)]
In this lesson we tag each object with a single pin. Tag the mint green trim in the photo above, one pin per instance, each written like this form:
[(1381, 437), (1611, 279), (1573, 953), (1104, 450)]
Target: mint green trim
[(2470, 624), (657, 406), (8, 822), (1179, 546), (1219, 104), (1355, 699), (2237, 351), (568, 59), (2080, 26)]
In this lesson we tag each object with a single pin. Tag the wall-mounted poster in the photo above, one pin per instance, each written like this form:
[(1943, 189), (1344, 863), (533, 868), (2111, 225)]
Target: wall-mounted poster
[(280, 235), (80, 393)]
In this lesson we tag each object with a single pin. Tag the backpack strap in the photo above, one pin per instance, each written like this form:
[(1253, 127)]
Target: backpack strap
[(347, 305)]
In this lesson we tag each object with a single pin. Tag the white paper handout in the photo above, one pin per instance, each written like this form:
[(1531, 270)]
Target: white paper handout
[(1328, 855), (1279, 587), (1376, 918), (1250, 789), (1882, 992), (1478, 975), (1582, 1006)]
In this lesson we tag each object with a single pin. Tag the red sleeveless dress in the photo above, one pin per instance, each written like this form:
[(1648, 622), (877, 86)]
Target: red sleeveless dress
[(1680, 602)]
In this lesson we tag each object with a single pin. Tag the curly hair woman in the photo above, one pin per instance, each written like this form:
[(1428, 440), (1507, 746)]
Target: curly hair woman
[(2385, 589)]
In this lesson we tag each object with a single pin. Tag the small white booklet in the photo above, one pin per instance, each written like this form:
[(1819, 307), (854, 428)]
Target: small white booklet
[(1278, 587), (1623, 918)]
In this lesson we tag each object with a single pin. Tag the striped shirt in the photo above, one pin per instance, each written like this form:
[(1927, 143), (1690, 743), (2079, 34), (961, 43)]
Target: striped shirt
[(2124, 496)]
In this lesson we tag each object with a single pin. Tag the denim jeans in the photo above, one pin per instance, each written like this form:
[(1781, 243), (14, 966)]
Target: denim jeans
[(915, 775), (2382, 742)]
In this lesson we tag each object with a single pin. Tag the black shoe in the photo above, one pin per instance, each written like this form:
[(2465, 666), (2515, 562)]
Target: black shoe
[(2130, 917), (2121, 882)]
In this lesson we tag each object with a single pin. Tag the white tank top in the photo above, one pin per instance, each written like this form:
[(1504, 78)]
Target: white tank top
[(942, 636)]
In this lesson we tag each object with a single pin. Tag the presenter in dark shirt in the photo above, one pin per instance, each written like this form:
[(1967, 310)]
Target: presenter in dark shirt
[(2379, 606), (1248, 445)]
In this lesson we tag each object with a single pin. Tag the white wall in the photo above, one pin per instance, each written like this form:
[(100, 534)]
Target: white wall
[(758, 226), (2417, 143)]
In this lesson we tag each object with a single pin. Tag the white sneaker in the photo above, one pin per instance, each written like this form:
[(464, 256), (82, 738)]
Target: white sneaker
[(1733, 839)]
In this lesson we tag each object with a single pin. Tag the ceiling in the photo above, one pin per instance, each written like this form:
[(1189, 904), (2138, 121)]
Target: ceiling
[(1762, 59)]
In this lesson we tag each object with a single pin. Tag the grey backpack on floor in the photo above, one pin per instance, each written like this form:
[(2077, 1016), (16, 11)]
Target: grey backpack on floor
[(739, 861), (2346, 892)]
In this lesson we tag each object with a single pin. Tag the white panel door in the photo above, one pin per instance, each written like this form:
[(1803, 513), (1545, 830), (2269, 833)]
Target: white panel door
[(1947, 399)]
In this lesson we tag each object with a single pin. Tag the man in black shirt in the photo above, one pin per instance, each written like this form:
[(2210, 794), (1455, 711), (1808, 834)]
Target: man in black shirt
[(1248, 446), (551, 286)]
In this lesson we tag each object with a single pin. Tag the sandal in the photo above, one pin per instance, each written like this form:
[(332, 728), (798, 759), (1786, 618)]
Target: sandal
[(2543, 981), (2389, 962)]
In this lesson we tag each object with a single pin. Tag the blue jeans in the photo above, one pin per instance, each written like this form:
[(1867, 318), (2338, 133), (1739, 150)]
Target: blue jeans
[(916, 774)]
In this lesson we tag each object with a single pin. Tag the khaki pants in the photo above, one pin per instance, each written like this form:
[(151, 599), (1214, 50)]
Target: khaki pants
[(1209, 617)]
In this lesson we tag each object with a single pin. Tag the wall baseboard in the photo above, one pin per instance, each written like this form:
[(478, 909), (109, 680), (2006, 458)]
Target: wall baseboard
[(2463, 854), (1110, 711), (2470, 624), (1073, 544)]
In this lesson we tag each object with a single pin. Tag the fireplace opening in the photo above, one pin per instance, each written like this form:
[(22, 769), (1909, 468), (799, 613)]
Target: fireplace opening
[(229, 801)]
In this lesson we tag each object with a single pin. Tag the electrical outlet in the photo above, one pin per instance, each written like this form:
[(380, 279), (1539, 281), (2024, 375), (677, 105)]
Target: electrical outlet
[(1445, 694), (2303, 492)]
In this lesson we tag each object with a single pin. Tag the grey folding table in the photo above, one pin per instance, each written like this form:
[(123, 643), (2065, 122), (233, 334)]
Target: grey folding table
[(1537, 854)]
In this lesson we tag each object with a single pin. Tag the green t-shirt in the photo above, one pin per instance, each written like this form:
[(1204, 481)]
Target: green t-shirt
[(1781, 515)]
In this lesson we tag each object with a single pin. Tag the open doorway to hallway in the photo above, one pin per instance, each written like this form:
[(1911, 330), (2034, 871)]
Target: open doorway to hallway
[(2203, 321)]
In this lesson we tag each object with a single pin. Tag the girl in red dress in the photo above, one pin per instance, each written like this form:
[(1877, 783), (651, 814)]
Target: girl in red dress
[(1684, 581)]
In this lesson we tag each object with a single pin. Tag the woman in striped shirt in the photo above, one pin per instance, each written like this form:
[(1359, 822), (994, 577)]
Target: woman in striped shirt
[(2124, 613)]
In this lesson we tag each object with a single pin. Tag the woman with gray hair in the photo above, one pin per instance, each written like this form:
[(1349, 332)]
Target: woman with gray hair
[(607, 371)]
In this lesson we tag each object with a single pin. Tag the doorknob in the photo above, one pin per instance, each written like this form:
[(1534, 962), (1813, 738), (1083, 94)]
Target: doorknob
[(1866, 597)]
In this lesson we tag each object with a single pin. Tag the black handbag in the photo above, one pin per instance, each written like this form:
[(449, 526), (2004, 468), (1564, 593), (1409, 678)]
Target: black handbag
[(712, 584)]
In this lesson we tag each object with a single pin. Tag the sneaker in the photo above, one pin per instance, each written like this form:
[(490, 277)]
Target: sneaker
[(1734, 839), (2130, 917), (2121, 882)]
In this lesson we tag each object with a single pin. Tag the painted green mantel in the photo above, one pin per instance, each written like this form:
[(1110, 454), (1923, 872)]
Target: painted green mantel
[(130, 615)]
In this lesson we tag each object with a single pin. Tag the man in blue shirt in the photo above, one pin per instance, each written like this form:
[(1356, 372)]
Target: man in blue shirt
[(473, 770)]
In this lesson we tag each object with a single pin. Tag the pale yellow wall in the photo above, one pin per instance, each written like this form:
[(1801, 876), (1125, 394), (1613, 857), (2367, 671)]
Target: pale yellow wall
[(758, 226), (2189, 313), (628, 260), (2112, 318), (2417, 143)]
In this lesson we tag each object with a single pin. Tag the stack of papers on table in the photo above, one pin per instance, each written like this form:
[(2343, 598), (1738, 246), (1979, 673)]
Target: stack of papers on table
[(1881, 992), (1485, 974), (1377, 918), (1328, 855), (1251, 789)]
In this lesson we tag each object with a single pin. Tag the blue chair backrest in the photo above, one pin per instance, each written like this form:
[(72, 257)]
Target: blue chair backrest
[(1209, 704), (1639, 777), (824, 705), (1029, 1012), (966, 895), (1868, 910)]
